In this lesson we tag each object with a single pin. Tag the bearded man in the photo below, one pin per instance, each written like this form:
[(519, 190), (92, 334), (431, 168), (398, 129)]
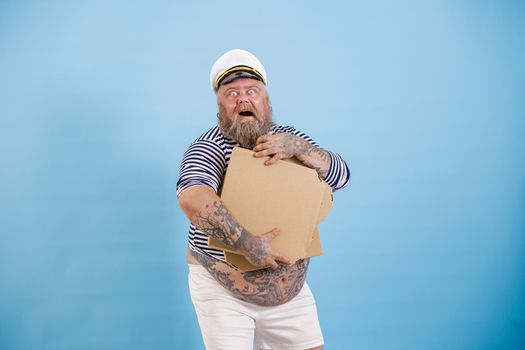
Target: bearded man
[(273, 307)]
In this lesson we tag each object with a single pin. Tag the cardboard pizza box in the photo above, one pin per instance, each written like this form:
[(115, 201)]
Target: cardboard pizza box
[(286, 195)]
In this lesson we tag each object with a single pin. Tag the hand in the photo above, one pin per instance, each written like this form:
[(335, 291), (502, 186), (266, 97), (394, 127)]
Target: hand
[(257, 250), (280, 146)]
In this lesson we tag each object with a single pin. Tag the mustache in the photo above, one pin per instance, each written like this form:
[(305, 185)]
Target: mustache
[(244, 107)]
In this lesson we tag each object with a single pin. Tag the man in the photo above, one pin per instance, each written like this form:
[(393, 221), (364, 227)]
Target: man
[(273, 307)]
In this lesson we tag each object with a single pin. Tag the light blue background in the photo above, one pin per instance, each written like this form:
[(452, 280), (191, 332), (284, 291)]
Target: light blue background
[(424, 99)]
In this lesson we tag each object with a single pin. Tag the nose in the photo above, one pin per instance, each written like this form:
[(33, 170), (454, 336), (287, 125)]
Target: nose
[(243, 98)]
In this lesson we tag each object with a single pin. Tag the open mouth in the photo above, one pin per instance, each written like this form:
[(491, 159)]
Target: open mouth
[(246, 114)]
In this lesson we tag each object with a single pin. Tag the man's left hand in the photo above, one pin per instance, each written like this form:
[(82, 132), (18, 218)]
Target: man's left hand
[(280, 146)]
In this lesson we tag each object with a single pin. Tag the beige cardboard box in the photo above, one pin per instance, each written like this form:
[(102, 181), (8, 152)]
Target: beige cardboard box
[(286, 195)]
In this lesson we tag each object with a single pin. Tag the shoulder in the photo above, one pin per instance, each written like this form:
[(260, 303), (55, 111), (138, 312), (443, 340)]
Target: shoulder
[(213, 144), (214, 134), (213, 138)]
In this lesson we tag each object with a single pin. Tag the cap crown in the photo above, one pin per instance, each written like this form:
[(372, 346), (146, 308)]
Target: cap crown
[(236, 60)]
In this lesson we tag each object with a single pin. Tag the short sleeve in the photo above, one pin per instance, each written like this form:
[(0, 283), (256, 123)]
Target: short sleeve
[(203, 164)]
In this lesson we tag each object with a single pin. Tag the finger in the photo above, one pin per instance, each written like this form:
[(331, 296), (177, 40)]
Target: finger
[(273, 264), (283, 259), (266, 152), (273, 160), (262, 145), (262, 139), (270, 235)]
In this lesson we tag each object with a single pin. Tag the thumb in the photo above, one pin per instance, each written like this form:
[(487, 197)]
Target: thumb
[(270, 235)]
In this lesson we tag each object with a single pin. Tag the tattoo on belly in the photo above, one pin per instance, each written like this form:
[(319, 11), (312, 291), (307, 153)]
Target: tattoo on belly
[(266, 287)]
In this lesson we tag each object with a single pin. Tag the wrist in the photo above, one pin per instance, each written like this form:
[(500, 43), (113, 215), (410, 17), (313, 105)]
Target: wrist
[(242, 244), (302, 148)]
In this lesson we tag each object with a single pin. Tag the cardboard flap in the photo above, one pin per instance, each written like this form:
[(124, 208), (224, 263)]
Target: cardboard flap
[(315, 248), (327, 202)]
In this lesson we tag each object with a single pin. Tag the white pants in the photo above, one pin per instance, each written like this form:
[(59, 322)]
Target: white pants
[(228, 323)]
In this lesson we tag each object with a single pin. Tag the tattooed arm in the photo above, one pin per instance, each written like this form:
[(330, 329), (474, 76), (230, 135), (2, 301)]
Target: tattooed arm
[(207, 211), (283, 145)]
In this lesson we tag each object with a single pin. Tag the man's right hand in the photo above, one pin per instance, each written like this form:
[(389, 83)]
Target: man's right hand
[(257, 250)]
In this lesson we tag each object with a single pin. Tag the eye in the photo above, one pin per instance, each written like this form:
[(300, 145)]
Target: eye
[(233, 93), (251, 92)]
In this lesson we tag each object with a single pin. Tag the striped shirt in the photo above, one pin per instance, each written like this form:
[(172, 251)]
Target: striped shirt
[(205, 163)]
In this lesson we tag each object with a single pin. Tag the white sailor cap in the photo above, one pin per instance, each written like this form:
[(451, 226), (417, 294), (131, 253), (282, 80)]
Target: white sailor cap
[(236, 64)]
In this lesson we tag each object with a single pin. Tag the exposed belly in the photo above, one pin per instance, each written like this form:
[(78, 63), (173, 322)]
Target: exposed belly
[(266, 287)]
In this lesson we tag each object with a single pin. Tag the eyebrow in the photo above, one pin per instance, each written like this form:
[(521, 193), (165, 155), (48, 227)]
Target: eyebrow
[(243, 88)]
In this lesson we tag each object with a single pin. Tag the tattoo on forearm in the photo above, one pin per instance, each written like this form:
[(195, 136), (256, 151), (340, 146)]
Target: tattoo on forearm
[(217, 222), (320, 154), (266, 287), (313, 157)]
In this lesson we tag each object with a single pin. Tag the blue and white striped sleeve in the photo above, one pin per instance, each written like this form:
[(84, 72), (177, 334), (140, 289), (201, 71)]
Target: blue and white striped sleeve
[(203, 164), (338, 174)]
